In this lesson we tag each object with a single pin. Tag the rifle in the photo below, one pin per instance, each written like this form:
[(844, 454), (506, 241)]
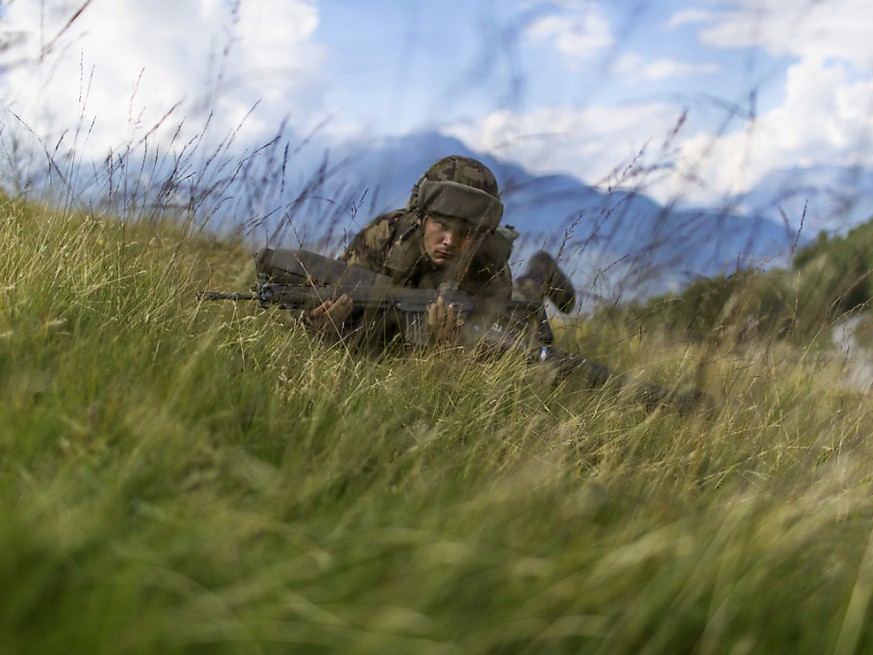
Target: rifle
[(301, 279)]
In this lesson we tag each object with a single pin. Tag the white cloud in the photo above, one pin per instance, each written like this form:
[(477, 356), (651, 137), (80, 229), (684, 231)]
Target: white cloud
[(801, 28), (591, 143), (126, 63), (595, 142), (826, 116), (131, 61), (580, 31), (660, 69), (810, 127), (638, 68), (688, 17)]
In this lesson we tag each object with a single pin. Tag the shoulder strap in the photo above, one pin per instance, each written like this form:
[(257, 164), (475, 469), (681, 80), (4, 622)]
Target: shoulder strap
[(405, 252)]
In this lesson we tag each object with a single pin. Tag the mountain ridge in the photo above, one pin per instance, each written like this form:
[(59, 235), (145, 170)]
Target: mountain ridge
[(620, 241)]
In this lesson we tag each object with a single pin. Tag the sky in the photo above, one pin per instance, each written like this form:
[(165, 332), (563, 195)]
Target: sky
[(693, 100)]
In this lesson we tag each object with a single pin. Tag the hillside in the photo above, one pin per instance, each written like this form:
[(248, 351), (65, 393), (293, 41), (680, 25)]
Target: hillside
[(831, 198), (182, 477), (828, 281)]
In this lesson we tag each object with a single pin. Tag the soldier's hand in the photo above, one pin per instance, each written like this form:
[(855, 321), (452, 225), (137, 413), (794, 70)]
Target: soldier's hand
[(444, 321), (329, 316)]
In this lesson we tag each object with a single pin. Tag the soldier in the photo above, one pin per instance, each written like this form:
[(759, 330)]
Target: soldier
[(447, 236)]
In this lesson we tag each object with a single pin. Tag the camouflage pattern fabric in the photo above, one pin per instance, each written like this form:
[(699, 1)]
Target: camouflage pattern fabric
[(463, 170), (369, 248), (392, 244)]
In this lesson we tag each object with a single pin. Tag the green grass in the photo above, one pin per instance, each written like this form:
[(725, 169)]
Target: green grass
[(178, 477)]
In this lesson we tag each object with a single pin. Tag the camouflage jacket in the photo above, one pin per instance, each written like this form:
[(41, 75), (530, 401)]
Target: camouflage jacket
[(392, 244)]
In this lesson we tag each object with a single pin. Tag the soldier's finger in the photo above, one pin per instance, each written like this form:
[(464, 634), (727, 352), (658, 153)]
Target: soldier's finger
[(436, 312), (335, 304), (458, 319), (450, 316), (341, 309), (319, 311)]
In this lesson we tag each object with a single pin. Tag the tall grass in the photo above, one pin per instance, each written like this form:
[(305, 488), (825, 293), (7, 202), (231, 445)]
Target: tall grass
[(179, 477), (183, 477)]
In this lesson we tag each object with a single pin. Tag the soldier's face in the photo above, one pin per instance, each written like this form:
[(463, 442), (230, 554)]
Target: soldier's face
[(445, 238)]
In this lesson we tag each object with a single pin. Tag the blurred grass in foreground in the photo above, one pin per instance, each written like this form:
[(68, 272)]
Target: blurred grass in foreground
[(183, 478)]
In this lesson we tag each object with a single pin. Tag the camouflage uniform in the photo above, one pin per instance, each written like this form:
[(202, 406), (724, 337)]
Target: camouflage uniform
[(393, 244)]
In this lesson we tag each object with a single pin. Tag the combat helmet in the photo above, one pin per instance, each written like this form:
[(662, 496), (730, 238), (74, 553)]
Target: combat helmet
[(459, 187)]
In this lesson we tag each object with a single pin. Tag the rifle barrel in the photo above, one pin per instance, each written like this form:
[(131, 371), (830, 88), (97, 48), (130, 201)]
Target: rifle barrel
[(221, 295)]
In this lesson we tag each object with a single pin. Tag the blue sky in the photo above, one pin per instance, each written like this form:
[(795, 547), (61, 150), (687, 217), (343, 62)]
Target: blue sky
[(507, 54), (710, 95)]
